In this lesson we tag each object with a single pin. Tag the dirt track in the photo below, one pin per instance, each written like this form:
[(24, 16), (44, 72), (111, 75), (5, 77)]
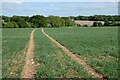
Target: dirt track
[(29, 67), (89, 69)]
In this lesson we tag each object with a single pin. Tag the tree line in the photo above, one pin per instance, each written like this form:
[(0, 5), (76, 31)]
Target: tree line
[(37, 21), (97, 18)]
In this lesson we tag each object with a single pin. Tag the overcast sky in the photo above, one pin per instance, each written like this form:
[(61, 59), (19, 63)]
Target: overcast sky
[(18, 7)]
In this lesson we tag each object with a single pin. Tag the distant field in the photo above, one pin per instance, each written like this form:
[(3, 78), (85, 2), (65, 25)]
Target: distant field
[(98, 46), (89, 23), (14, 42)]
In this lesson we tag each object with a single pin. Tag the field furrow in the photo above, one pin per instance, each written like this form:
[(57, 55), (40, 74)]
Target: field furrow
[(91, 52), (89, 69), (14, 48), (97, 46), (29, 67), (53, 62)]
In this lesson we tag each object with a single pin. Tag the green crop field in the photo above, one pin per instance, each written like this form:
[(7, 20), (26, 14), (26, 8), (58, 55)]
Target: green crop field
[(14, 42), (97, 46), (52, 62), (0, 53)]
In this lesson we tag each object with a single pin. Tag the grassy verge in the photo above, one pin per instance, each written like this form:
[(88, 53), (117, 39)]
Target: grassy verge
[(98, 46), (52, 62), (14, 42), (0, 53)]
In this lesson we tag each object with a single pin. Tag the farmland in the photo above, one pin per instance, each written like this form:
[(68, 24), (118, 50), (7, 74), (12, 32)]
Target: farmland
[(14, 45), (97, 46), (52, 62), (0, 53)]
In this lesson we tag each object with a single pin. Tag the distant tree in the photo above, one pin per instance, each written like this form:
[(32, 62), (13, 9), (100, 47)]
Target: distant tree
[(15, 24), (68, 21), (85, 25), (15, 18), (99, 24), (20, 21), (26, 18), (8, 25), (78, 25), (95, 24), (71, 17), (43, 23), (32, 25), (117, 24), (6, 19), (63, 23), (91, 18), (113, 23), (106, 22), (55, 21), (39, 21)]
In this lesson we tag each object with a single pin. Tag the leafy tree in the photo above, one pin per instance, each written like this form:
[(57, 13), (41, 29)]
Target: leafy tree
[(54, 21), (32, 25), (39, 21), (15, 24), (8, 25), (85, 25), (21, 22), (113, 22), (43, 23), (26, 18), (95, 24), (68, 21), (15, 18), (106, 22), (99, 24), (6, 19), (117, 24), (63, 22), (78, 25)]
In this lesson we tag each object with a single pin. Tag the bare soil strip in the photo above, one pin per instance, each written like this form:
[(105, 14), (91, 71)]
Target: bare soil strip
[(89, 69), (29, 67)]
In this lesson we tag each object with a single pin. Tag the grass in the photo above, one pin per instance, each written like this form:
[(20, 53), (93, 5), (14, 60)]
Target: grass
[(0, 53), (14, 42), (98, 46), (52, 62)]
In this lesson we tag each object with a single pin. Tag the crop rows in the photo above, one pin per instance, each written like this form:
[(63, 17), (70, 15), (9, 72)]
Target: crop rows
[(14, 42), (53, 62), (97, 46)]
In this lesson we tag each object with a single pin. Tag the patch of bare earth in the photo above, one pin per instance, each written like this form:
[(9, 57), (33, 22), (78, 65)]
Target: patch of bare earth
[(71, 73), (29, 67), (89, 69), (17, 63)]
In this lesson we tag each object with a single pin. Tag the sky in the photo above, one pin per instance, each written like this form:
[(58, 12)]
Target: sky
[(18, 1), (71, 8)]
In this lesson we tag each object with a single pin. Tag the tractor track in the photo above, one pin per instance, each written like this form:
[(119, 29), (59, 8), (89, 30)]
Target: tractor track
[(88, 68), (29, 66)]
